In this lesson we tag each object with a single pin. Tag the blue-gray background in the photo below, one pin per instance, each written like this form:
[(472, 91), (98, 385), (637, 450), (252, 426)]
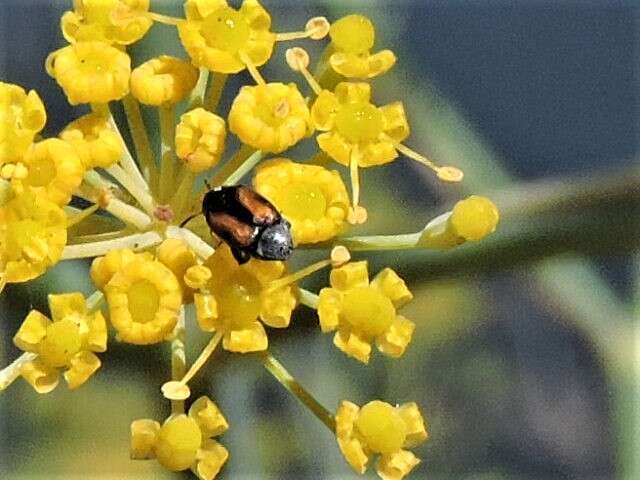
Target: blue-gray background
[(513, 383)]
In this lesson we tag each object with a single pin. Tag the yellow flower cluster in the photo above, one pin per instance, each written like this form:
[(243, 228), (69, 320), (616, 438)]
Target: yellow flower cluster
[(66, 342), (149, 267), (184, 441)]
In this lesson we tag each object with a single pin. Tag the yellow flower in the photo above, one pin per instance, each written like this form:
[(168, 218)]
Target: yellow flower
[(54, 170), (352, 38), (313, 199), (90, 72), (22, 115), (97, 144), (200, 139), (364, 311), (217, 36), (163, 80), (144, 297), (184, 441), (33, 233), (112, 21), (270, 117), (379, 428), (237, 295), (104, 268), (67, 342), (349, 120)]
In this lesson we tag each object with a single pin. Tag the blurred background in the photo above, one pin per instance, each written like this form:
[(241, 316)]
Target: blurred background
[(526, 357)]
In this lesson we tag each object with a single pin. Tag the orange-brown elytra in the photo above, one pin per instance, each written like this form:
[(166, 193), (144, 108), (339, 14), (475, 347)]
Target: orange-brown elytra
[(248, 223)]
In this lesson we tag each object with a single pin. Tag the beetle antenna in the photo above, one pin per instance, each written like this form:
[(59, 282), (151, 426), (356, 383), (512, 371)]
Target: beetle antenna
[(206, 182), (188, 219)]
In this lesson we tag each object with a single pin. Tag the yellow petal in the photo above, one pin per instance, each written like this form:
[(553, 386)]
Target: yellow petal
[(41, 377), (415, 424), (350, 446), (83, 365), (353, 345), (395, 121), (329, 306), (206, 311), (397, 465), (395, 340), (276, 306), (65, 304), (353, 92), (209, 417), (97, 335), (392, 286), (250, 339), (324, 110), (378, 153), (144, 433), (178, 442), (211, 458), (335, 145), (351, 275), (32, 330)]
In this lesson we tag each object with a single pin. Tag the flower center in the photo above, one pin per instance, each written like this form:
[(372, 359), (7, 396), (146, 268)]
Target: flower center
[(239, 300), (42, 171), (274, 111), (302, 201), (382, 427), (93, 62), (143, 298), (61, 342), (353, 34), (178, 442), (226, 29), (366, 309), (359, 122)]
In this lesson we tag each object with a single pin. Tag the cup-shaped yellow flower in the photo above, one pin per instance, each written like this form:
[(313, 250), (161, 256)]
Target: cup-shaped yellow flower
[(22, 115), (270, 117), (380, 429), (112, 21), (104, 268), (90, 72), (363, 312), (184, 441), (200, 139), (54, 170), (352, 38), (217, 36), (97, 144), (144, 298), (163, 80), (312, 198), (238, 295), (350, 120), (68, 342), (33, 233), (176, 255)]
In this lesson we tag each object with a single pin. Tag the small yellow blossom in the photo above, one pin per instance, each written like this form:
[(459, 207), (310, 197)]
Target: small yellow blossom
[(54, 170), (380, 429), (200, 139), (352, 38), (22, 116), (144, 297), (90, 72), (237, 295), (184, 441), (363, 311), (313, 199), (270, 117), (66, 342), (104, 268), (216, 36), (112, 21), (163, 80), (97, 144), (474, 218), (350, 120), (33, 234)]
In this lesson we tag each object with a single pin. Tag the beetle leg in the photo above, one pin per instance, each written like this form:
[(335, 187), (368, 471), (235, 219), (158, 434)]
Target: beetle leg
[(241, 256)]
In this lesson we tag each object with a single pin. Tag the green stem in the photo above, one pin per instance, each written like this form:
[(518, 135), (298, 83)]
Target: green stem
[(214, 91), (137, 241), (140, 138), (308, 298), (196, 98), (178, 359), (275, 368), (168, 159)]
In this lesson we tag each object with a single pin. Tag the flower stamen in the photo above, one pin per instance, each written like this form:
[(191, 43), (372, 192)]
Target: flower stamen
[(298, 60), (445, 173), (357, 214), (316, 29), (253, 71), (165, 19)]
